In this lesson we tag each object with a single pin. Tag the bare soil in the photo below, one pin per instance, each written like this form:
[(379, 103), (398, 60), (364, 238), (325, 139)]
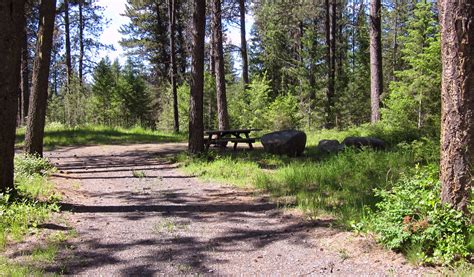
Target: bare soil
[(137, 214)]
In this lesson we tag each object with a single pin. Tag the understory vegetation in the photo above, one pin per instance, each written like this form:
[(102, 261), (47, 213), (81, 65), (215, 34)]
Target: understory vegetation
[(393, 193), (23, 213)]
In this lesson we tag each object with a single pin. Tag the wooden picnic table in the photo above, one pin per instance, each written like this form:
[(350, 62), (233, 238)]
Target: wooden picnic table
[(222, 137)]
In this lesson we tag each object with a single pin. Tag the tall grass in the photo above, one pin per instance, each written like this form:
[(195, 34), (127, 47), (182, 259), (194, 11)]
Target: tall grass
[(341, 185)]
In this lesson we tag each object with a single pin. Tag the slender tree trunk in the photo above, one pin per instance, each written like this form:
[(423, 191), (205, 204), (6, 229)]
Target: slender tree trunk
[(196, 124), (41, 68), (67, 43), (395, 43), (376, 77), (243, 43), (457, 98), (330, 59), (12, 21), (212, 69), (222, 114), (25, 77), (81, 42), (171, 12)]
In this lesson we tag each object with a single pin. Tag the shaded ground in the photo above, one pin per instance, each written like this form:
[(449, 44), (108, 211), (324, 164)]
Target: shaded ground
[(136, 214)]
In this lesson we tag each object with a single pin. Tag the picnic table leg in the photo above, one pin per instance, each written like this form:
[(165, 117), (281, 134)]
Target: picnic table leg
[(208, 143), (247, 135), (235, 146)]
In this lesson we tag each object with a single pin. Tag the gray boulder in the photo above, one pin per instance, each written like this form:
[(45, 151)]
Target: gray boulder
[(360, 142), (329, 146), (289, 142)]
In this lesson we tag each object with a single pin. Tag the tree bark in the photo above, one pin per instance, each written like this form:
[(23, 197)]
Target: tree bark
[(222, 114), (330, 60), (25, 77), (12, 24), (171, 13), (375, 59), (457, 98), (196, 121), (41, 67), (67, 34), (243, 44), (81, 42)]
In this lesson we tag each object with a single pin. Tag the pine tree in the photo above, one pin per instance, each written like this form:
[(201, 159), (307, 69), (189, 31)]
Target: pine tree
[(41, 68), (414, 99)]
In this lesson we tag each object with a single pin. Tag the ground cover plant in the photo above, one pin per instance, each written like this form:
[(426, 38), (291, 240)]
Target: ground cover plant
[(21, 213), (57, 134)]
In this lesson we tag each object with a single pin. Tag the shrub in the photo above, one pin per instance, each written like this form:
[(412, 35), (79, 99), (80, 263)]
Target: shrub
[(410, 218), (31, 164)]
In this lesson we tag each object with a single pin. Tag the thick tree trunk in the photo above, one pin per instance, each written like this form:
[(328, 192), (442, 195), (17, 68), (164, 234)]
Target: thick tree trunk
[(375, 59), (196, 121), (457, 98), (25, 77), (41, 67), (243, 44), (67, 34), (12, 21), (81, 42), (171, 13), (330, 60), (222, 114)]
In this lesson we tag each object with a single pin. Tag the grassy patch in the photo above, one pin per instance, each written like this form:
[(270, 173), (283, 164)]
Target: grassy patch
[(8, 268), (59, 135), (341, 185), (20, 215)]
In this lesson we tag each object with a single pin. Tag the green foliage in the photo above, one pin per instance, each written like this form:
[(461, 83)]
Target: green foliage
[(26, 164), (21, 214), (414, 99), (73, 106), (254, 108), (283, 113), (411, 218)]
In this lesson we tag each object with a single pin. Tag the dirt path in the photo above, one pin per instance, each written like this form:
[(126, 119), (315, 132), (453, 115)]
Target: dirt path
[(136, 214)]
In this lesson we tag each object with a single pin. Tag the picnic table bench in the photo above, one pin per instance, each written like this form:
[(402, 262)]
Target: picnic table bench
[(222, 137)]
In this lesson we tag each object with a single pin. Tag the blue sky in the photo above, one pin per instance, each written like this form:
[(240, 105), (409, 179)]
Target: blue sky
[(111, 35)]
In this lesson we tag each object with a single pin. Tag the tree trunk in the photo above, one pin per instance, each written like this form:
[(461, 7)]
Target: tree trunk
[(457, 98), (25, 77), (67, 44), (222, 114), (243, 43), (330, 60), (196, 124), (171, 12), (12, 24), (375, 59), (81, 42), (41, 66)]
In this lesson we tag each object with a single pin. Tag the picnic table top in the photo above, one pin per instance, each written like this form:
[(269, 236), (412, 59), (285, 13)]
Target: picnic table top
[(210, 132)]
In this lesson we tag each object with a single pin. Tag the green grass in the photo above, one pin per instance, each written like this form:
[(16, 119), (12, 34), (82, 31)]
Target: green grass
[(341, 185), (8, 268), (59, 135), (20, 215)]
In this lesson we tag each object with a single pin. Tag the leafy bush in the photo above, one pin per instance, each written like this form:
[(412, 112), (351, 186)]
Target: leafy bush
[(31, 165), (410, 218), (283, 113)]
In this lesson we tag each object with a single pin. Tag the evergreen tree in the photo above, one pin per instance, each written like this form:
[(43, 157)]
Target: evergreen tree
[(414, 100)]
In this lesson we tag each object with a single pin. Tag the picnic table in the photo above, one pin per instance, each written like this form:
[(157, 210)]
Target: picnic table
[(222, 137)]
